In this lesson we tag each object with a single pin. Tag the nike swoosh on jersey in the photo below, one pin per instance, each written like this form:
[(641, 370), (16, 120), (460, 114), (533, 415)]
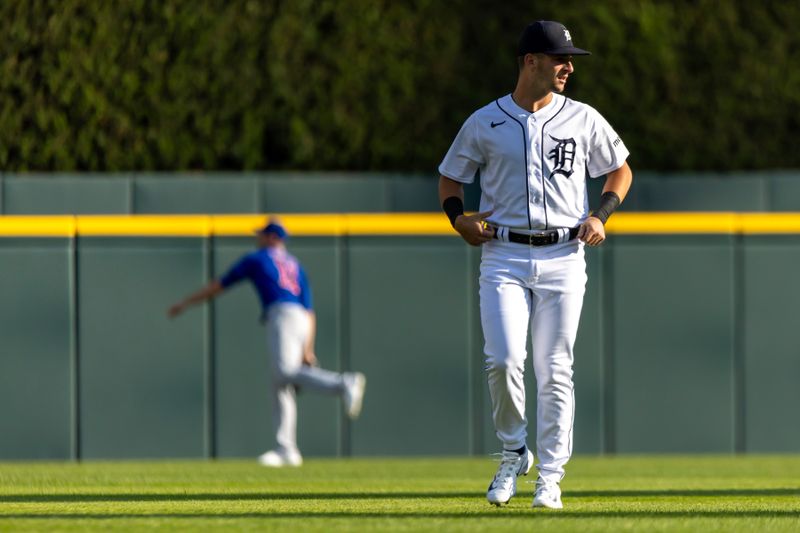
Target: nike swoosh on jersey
[(495, 124)]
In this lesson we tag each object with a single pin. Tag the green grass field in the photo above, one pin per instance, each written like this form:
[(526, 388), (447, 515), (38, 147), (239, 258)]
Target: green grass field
[(654, 493)]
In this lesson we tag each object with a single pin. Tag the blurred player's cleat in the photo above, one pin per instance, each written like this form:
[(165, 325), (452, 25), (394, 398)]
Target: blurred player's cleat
[(354, 385), (548, 494), (504, 485), (278, 458)]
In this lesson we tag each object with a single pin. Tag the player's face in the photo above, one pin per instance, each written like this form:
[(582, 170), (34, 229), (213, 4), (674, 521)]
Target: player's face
[(262, 240), (268, 240), (558, 69)]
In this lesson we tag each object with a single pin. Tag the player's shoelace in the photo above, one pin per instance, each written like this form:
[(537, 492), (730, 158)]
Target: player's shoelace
[(507, 471)]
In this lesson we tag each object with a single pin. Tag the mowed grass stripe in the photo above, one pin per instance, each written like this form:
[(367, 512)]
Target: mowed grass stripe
[(657, 493)]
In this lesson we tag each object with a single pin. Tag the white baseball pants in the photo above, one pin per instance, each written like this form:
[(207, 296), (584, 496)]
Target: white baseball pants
[(288, 327), (539, 289)]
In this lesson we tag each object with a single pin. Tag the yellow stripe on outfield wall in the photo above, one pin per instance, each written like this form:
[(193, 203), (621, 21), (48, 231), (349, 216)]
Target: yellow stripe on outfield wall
[(344, 224), (399, 224), (673, 223), (303, 225), (362, 224), (144, 226), (37, 226), (704, 223), (765, 223)]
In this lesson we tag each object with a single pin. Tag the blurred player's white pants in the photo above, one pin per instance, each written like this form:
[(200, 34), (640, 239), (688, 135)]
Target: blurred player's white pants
[(288, 327), (538, 288)]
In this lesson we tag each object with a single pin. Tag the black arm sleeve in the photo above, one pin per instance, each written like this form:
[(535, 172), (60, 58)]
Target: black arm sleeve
[(453, 206), (608, 203)]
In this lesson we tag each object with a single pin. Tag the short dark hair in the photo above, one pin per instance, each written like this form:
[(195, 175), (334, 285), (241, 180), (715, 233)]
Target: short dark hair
[(521, 59)]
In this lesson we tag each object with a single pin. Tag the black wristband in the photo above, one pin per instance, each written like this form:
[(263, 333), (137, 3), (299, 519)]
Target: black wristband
[(609, 201), (453, 206)]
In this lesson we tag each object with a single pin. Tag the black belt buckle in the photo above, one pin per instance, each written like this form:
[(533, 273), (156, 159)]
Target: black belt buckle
[(543, 238)]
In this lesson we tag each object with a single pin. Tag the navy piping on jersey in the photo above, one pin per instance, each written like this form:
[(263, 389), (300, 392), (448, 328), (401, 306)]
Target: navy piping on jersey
[(525, 152), (541, 150)]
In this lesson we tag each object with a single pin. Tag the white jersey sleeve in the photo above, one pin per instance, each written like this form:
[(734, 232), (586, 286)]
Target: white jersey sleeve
[(464, 157), (607, 152)]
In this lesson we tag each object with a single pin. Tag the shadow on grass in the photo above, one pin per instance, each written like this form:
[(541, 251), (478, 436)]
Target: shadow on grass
[(268, 496), (493, 513)]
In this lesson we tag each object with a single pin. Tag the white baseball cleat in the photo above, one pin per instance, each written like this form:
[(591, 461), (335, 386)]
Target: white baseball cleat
[(278, 459), (548, 494), (504, 485), (354, 385)]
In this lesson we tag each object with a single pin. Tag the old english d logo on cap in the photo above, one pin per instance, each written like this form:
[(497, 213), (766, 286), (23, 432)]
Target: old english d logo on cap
[(548, 37)]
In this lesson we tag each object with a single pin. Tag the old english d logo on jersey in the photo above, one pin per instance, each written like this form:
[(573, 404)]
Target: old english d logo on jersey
[(563, 156)]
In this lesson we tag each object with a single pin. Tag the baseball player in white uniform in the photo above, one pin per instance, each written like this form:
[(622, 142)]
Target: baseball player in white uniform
[(534, 149)]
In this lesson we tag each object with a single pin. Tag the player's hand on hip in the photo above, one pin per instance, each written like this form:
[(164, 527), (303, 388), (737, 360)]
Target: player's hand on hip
[(592, 231), (473, 228)]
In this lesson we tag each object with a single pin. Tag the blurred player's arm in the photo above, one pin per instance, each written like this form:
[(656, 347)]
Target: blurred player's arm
[(206, 293), (306, 300), (618, 182), (309, 357), (470, 227)]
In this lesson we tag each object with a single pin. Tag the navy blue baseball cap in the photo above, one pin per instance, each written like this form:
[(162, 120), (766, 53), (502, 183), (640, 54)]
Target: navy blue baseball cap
[(547, 37), (275, 229)]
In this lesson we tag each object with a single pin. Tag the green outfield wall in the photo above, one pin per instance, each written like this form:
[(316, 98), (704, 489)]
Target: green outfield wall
[(688, 340), (353, 192)]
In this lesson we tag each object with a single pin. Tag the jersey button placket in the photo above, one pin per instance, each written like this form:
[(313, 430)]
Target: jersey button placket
[(535, 172)]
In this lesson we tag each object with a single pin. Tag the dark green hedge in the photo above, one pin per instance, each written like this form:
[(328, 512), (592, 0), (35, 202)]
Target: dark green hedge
[(380, 84)]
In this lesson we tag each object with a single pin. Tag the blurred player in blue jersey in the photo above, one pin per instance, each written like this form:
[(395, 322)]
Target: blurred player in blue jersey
[(283, 289)]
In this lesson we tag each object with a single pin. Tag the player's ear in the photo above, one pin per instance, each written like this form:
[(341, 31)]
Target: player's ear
[(524, 62), (532, 60)]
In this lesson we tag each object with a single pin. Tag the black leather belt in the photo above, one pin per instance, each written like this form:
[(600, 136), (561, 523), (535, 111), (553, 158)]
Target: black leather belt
[(540, 238)]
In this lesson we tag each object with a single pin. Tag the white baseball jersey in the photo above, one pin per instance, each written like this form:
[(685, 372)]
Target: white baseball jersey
[(533, 166)]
